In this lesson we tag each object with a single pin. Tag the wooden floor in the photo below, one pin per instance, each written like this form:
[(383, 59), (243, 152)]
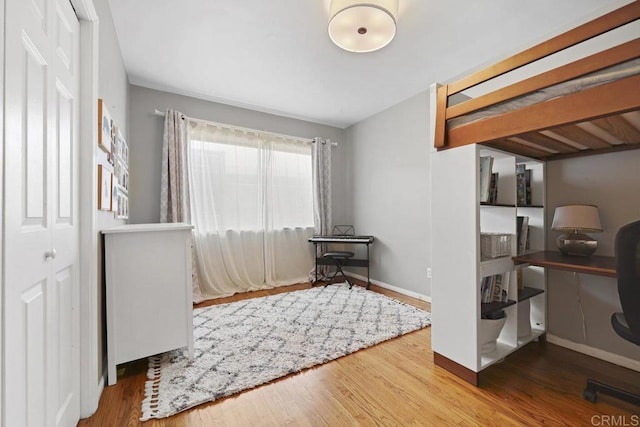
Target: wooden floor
[(396, 384)]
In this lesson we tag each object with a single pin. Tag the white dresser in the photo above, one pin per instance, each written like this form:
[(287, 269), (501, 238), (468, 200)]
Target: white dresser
[(148, 286)]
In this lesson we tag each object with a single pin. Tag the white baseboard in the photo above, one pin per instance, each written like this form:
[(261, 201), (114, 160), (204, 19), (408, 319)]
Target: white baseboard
[(595, 352), (90, 409), (101, 387), (402, 291)]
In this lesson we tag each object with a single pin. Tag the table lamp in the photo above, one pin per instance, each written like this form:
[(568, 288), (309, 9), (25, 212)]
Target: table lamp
[(576, 220)]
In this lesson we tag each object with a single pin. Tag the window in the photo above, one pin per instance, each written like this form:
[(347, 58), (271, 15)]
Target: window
[(248, 183)]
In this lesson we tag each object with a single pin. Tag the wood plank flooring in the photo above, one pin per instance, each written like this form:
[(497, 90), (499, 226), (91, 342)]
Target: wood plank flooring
[(396, 384)]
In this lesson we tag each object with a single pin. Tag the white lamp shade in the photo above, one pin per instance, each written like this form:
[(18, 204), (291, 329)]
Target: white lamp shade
[(362, 26), (581, 218)]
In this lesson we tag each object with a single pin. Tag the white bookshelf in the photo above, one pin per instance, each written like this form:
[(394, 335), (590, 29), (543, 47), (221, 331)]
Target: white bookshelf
[(458, 219)]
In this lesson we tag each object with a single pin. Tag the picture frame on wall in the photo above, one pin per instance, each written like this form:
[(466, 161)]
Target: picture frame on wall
[(120, 144), (114, 193), (114, 141), (123, 206), (104, 188), (120, 206), (105, 128), (122, 161)]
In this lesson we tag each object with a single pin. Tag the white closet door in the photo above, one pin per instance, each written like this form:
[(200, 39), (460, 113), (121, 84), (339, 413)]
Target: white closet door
[(41, 230)]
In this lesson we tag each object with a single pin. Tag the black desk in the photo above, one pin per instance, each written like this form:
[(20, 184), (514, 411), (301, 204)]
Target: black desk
[(349, 240)]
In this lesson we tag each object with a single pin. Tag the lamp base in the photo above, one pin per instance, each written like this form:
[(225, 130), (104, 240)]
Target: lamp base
[(576, 244)]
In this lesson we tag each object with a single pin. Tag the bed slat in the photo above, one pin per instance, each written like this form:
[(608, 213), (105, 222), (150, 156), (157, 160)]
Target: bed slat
[(515, 147), (545, 141), (620, 128), (581, 136)]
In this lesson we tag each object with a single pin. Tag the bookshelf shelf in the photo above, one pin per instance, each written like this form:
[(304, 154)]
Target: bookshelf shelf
[(527, 292), (498, 205), (536, 333), (502, 350), (492, 266), (531, 206), (490, 307)]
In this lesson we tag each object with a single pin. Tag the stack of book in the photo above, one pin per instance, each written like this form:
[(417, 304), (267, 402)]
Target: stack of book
[(523, 185), (494, 288)]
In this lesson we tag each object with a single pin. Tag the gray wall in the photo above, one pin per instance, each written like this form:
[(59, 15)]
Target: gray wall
[(145, 144), (612, 182), (390, 176), (391, 180), (113, 88)]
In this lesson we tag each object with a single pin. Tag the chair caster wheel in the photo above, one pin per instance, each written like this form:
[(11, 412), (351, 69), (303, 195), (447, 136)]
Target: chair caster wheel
[(590, 395)]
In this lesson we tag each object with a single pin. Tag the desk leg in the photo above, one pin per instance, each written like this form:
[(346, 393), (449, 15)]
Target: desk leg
[(368, 263), (315, 255)]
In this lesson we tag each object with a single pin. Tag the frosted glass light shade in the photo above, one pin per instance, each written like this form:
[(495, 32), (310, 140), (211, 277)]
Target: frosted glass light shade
[(362, 26), (579, 218)]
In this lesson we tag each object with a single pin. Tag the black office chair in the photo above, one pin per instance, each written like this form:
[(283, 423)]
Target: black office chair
[(340, 258), (627, 323)]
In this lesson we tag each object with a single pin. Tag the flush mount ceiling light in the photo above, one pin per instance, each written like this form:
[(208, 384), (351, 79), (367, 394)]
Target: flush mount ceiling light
[(362, 26)]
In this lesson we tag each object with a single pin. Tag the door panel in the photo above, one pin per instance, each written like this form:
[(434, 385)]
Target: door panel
[(27, 236), (41, 301), (65, 37), (33, 308), (63, 325), (64, 143), (39, 13), (35, 145), (64, 360)]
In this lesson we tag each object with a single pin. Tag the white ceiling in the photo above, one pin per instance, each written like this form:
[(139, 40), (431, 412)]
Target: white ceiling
[(275, 56)]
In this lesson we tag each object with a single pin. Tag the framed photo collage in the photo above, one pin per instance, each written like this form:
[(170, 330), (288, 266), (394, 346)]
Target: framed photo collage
[(113, 178)]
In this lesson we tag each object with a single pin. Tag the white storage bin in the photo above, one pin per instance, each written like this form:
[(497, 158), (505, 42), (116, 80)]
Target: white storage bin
[(495, 245), (489, 333)]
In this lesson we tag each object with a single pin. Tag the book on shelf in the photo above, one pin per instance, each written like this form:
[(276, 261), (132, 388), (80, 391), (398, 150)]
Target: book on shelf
[(493, 188), (486, 163), (527, 187), (500, 288), (522, 233), (523, 185), (485, 288), (494, 288)]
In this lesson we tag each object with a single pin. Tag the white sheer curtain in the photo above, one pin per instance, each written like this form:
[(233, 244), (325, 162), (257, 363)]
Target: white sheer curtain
[(252, 208)]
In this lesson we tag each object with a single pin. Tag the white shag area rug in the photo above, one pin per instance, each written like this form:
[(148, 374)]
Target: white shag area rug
[(244, 344)]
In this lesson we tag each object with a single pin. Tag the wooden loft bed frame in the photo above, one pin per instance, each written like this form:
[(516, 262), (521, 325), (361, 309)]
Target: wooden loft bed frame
[(518, 131)]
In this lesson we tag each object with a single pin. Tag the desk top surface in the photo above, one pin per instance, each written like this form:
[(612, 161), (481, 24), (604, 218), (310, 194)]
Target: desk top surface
[(595, 264)]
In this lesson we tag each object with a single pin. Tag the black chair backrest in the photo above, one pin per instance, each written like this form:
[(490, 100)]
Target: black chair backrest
[(628, 272)]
